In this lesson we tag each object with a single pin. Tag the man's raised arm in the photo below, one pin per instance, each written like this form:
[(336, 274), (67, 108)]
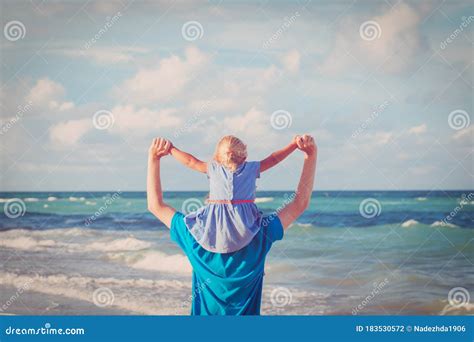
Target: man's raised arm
[(159, 148), (305, 186)]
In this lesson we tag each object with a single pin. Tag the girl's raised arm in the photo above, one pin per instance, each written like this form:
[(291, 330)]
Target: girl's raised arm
[(278, 156), (188, 160)]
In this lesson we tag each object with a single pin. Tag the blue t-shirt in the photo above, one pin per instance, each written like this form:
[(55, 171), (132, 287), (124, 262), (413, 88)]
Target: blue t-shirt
[(230, 283)]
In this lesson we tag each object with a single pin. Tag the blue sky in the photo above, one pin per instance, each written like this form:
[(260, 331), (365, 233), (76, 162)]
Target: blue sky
[(385, 87)]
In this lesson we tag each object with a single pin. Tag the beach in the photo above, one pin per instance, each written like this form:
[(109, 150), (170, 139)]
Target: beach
[(350, 253)]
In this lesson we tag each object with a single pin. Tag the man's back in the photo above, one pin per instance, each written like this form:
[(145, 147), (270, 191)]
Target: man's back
[(231, 283)]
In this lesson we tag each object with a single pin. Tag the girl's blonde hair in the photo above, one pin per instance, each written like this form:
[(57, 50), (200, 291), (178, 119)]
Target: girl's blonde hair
[(235, 154)]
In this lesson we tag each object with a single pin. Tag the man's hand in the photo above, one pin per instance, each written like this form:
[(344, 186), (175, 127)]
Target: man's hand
[(306, 144), (159, 147), (294, 141)]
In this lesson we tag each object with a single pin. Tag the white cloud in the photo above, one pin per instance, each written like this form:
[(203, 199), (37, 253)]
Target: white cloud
[(164, 81), (291, 61), (465, 134), (69, 132), (243, 82), (395, 49), (45, 91), (128, 119), (103, 55), (366, 144), (66, 106), (422, 170), (380, 138), (48, 93), (253, 127), (61, 106), (107, 7), (212, 105), (418, 129)]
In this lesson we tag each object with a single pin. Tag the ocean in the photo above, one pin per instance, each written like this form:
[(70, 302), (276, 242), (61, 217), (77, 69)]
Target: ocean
[(351, 252)]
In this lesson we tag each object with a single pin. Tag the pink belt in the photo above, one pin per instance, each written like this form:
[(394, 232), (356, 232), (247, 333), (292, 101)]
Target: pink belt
[(229, 201)]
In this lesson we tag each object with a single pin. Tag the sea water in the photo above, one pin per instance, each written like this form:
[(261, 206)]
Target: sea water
[(351, 252)]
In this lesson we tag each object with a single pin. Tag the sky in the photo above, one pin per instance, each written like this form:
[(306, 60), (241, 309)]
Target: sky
[(385, 87)]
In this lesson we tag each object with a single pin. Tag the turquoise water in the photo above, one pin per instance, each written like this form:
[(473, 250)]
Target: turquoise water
[(349, 253)]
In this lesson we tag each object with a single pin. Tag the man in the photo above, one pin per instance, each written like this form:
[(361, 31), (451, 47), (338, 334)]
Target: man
[(231, 283)]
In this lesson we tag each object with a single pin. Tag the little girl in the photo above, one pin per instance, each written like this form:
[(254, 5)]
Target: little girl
[(230, 219)]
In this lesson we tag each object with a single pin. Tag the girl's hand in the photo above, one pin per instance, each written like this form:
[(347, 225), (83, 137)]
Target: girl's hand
[(306, 144), (294, 141), (159, 147)]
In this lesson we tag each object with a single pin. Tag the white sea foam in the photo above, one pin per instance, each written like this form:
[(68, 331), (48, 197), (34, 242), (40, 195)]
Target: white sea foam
[(76, 199), (28, 243), (293, 301), (52, 198), (49, 233), (78, 279), (77, 232), (443, 224), (410, 223), (91, 203), (263, 199), (23, 239), (126, 244), (143, 296), (154, 261), (421, 199), (300, 225), (31, 199), (125, 220), (465, 309)]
